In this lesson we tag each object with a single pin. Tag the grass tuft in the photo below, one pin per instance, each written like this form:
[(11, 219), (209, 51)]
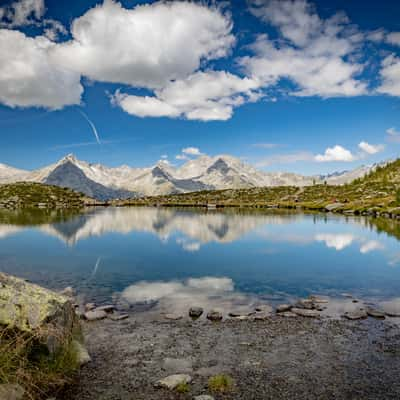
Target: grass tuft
[(220, 383)]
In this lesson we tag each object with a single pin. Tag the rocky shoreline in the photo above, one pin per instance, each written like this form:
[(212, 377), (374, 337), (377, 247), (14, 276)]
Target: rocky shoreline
[(293, 351), (311, 348)]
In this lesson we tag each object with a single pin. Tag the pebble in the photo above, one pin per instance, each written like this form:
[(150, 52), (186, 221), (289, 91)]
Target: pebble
[(283, 308), (172, 381), (306, 313), (287, 314), (357, 314), (261, 316), (214, 316), (203, 397), (107, 308), (173, 317), (195, 312), (375, 313), (90, 306), (95, 315), (317, 299), (118, 317)]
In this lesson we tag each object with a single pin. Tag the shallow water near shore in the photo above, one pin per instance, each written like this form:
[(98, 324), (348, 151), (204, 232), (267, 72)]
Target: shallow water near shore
[(172, 258)]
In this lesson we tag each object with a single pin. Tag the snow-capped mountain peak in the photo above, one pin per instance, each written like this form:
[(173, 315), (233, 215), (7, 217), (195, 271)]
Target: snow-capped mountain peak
[(204, 172)]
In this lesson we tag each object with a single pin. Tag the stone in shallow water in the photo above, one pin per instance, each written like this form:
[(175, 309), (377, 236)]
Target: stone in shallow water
[(172, 381), (173, 317), (118, 317), (95, 315), (318, 299), (261, 316), (90, 306), (107, 308), (283, 308), (195, 312), (288, 314), (264, 308), (372, 312), (203, 397), (306, 313), (357, 314), (214, 316)]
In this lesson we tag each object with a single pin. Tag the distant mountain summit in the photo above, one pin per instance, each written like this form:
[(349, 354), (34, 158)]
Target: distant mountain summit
[(202, 173)]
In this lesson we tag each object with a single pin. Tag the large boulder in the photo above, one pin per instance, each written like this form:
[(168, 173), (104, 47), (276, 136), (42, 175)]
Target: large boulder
[(29, 308)]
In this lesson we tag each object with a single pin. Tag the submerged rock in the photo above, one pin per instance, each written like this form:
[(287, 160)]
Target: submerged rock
[(288, 314), (195, 312), (306, 313), (95, 315), (357, 314), (372, 312), (118, 317), (283, 308), (173, 317), (172, 381), (108, 308)]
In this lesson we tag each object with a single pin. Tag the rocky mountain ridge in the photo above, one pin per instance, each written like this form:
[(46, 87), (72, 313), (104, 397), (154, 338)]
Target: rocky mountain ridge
[(203, 173)]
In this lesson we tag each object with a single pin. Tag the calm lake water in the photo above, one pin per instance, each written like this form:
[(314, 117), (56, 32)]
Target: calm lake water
[(170, 256)]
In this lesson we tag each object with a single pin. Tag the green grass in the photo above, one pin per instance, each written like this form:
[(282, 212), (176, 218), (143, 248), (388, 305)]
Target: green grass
[(378, 191), (34, 195), (220, 383), (183, 387)]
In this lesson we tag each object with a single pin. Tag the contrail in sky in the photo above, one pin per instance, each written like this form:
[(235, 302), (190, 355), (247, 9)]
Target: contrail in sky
[(91, 125)]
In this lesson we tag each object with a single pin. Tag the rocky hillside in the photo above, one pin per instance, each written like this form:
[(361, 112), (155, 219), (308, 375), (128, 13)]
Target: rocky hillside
[(377, 192), (202, 173), (36, 195)]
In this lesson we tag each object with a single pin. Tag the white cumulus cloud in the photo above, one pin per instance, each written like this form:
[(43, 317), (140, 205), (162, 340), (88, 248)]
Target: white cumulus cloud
[(205, 96), (313, 53), (370, 148), (192, 151), (390, 76), (146, 46), (336, 153), (22, 12), (28, 77)]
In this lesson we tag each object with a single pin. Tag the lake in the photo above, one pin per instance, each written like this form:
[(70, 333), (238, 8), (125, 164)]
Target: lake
[(146, 256)]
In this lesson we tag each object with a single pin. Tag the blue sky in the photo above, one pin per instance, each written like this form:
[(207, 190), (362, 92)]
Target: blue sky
[(286, 85)]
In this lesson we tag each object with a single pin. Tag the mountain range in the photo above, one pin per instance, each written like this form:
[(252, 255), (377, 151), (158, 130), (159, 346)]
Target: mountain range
[(202, 173)]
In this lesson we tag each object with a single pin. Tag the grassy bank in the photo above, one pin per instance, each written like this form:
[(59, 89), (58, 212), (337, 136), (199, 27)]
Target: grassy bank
[(375, 194), (37, 195)]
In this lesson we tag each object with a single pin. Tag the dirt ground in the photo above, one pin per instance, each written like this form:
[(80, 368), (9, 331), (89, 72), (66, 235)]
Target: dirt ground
[(279, 358)]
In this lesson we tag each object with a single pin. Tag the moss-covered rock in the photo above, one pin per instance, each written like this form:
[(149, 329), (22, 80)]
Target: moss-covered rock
[(27, 307)]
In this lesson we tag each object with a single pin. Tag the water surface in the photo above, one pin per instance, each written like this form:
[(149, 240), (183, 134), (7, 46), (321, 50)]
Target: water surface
[(171, 256)]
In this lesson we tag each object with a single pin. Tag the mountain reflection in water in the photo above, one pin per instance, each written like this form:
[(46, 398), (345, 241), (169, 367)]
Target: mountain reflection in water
[(139, 252)]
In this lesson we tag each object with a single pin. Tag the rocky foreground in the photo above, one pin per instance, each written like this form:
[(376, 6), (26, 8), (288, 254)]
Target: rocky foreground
[(314, 348), (294, 352)]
